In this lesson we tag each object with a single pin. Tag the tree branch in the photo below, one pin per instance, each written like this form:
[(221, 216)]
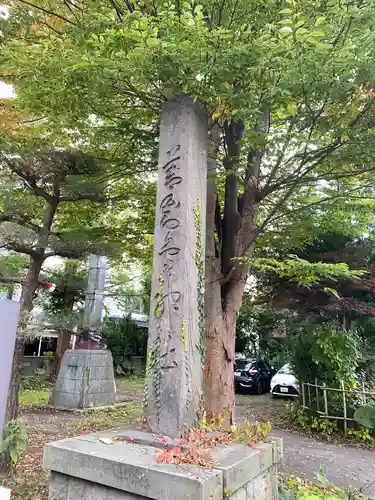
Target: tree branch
[(234, 131), (117, 9), (46, 11), (18, 247)]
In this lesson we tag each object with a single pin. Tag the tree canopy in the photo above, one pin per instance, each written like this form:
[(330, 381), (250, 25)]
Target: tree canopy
[(288, 86)]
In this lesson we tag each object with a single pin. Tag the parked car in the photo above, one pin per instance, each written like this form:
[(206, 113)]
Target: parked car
[(253, 375), (284, 383)]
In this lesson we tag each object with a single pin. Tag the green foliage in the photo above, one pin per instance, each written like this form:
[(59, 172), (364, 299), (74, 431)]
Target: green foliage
[(199, 263), (14, 442), (324, 426), (246, 336), (302, 271), (124, 338), (34, 397), (365, 416), (309, 422), (293, 79), (295, 488), (361, 435), (35, 383), (265, 331), (328, 353)]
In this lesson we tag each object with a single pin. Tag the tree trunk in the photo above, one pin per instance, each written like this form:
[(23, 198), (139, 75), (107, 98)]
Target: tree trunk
[(63, 341), (219, 388), (63, 344), (10, 292), (26, 304), (225, 278), (28, 290), (220, 335)]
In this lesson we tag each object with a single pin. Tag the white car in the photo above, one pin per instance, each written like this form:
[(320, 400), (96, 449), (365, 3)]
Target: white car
[(284, 383)]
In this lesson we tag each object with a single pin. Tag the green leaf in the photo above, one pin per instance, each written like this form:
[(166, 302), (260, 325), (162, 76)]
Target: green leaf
[(320, 476), (286, 11), (292, 108), (365, 416), (13, 453), (3, 446), (317, 33), (21, 444), (324, 46), (286, 22), (286, 30)]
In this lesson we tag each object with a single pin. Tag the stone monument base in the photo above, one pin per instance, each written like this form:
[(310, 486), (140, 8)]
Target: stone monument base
[(87, 468), (85, 380)]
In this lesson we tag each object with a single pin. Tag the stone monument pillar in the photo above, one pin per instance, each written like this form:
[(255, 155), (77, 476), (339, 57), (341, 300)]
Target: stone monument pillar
[(86, 377), (86, 467), (176, 333), (91, 335)]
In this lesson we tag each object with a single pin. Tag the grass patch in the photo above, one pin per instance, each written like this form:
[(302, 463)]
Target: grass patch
[(131, 382), (34, 397), (294, 488)]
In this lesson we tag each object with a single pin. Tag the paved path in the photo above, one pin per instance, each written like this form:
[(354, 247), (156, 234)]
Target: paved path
[(344, 466)]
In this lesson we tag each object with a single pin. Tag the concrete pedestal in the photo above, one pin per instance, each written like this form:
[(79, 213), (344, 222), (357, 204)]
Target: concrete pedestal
[(85, 380), (86, 468)]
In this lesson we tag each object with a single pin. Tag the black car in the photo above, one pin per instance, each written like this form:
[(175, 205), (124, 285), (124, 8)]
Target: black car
[(253, 375)]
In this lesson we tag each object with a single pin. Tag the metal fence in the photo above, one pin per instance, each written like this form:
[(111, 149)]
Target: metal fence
[(315, 397)]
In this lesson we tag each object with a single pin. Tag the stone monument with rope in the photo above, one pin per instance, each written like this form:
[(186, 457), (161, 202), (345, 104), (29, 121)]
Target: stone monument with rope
[(86, 377)]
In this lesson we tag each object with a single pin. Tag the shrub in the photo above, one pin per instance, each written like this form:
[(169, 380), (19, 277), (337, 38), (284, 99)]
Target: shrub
[(327, 353), (124, 338)]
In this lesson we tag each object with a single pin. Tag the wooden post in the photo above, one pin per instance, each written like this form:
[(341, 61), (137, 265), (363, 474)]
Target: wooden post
[(325, 400), (364, 393), (303, 394), (317, 395), (344, 404), (309, 395)]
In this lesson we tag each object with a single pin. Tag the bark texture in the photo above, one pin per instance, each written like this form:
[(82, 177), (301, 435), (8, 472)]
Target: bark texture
[(231, 229), (28, 291)]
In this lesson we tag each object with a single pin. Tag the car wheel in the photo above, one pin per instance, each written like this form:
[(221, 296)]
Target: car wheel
[(259, 388)]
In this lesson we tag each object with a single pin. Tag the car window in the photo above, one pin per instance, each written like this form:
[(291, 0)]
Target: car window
[(286, 370), (240, 365), (244, 366), (263, 365)]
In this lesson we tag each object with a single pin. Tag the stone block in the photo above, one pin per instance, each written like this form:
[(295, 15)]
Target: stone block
[(64, 487), (241, 463), (98, 372), (131, 468), (240, 494), (260, 487), (81, 382), (85, 468), (277, 446), (107, 385)]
